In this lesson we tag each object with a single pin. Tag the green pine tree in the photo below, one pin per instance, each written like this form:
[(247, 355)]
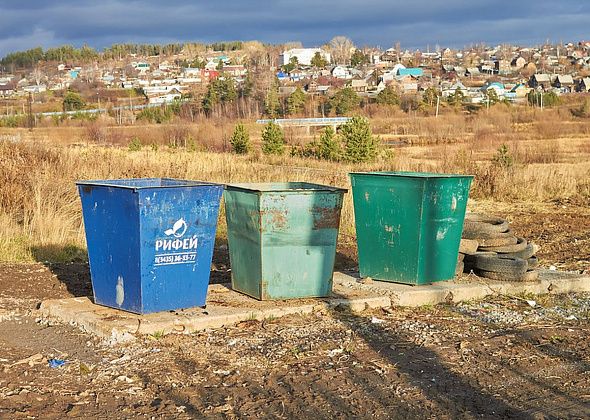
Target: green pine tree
[(272, 105), (359, 143), (296, 101), (329, 146), (273, 139), (388, 96), (240, 140)]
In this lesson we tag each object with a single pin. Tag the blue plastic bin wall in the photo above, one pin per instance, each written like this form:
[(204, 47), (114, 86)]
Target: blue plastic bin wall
[(150, 241)]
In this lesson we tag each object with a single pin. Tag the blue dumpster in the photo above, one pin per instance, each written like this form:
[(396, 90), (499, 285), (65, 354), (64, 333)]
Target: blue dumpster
[(150, 241)]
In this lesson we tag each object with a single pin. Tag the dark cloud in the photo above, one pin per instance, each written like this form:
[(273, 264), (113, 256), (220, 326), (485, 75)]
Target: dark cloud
[(28, 23)]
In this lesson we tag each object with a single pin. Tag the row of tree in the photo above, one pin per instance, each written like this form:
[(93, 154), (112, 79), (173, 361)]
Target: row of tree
[(353, 143), (31, 57)]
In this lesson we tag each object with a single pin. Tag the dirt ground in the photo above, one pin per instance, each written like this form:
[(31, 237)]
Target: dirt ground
[(503, 358)]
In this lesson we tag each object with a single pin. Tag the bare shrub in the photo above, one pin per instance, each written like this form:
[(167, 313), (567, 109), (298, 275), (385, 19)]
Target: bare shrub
[(96, 132)]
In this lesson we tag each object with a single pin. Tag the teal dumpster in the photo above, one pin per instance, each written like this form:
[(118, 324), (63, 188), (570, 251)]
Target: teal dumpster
[(150, 241), (409, 224), (282, 238)]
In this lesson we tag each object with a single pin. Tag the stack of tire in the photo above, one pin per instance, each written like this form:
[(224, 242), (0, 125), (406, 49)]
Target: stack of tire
[(490, 249)]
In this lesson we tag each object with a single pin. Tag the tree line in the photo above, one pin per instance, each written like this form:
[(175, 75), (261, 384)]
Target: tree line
[(29, 58)]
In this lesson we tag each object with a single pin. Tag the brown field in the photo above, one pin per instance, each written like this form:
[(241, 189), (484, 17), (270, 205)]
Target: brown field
[(40, 213)]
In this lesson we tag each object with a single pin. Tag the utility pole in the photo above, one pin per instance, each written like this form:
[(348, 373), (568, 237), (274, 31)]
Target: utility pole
[(437, 104)]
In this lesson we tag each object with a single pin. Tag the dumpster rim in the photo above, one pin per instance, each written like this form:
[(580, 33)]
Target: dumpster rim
[(185, 183), (313, 187), (410, 174)]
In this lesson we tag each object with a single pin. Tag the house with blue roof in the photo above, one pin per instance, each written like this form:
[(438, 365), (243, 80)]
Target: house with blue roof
[(496, 86), (410, 71)]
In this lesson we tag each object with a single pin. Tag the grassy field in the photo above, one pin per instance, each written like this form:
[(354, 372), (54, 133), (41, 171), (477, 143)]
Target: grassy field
[(546, 158)]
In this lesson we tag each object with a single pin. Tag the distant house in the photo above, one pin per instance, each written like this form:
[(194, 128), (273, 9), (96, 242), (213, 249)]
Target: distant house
[(407, 84), (519, 91), (8, 89), (584, 85), (141, 67), (234, 70), (359, 86), (449, 89), (502, 66), (35, 89), (191, 72), (303, 55), (472, 71), (518, 62), (496, 87), (340, 72), (165, 98), (540, 81), (564, 82), (410, 71), (281, 75), (312, 86)]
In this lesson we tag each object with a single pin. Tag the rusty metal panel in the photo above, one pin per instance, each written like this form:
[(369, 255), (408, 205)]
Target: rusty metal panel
[(282, 238), (409, 224)]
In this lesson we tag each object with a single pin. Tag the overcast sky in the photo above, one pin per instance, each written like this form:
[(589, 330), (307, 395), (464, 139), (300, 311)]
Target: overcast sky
[(415, 23)]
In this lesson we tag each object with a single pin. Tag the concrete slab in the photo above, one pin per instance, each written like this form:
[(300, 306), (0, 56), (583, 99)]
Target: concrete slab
[(224, 307), (467, 287)]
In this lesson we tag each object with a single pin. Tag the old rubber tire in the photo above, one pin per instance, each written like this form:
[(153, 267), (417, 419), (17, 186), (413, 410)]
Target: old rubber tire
[(469, 259), (501, 264), (468, 246), (511, 240), (481, 223), (530, 250), (533, 262), (527, 276), (478, 236), (520, 245)]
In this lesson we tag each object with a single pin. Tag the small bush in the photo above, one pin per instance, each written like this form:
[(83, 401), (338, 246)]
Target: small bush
[(503, 158), (135, 145), (156, 115)]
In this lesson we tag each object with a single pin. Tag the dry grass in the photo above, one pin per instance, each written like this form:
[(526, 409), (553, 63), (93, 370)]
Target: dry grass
[(40, 210)]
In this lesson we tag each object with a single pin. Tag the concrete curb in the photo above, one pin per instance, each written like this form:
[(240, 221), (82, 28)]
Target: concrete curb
[(467, 288), (225, 307)]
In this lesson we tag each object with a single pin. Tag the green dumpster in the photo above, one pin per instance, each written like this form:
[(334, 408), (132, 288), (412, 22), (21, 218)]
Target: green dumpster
[(282, 238), (409, 224)]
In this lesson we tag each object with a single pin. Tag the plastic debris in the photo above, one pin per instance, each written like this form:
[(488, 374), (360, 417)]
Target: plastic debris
[(532, 303), (56, 363), (375, 320), (334, 352), (553, 268)]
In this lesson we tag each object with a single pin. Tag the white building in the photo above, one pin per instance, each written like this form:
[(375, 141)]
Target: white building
[(304, 55)]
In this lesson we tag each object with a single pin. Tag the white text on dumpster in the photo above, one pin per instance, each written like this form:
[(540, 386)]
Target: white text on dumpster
[(176, 251)]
